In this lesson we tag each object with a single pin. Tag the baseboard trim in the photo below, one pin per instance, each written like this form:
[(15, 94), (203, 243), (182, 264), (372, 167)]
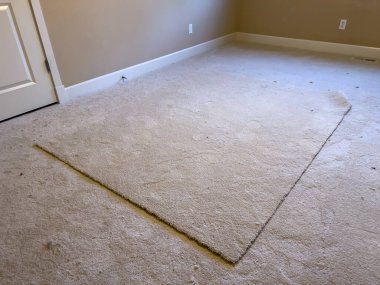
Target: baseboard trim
[(106, 81), (61, 93), (101, 83), (336, 48)]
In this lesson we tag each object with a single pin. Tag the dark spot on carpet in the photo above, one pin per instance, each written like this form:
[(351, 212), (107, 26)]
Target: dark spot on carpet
[(51, 245)]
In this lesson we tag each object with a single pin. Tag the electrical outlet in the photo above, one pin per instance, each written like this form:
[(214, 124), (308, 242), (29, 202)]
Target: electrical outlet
[(343, 24), (190, 28)]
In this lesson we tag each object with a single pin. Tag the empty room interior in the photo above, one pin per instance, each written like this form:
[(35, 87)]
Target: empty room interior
[(189, 142)]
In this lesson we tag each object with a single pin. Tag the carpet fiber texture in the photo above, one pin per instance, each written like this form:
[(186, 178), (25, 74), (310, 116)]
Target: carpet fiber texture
[(213, 159)]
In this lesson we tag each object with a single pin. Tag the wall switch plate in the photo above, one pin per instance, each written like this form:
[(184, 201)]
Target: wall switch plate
[(343, 24), (190, 28)]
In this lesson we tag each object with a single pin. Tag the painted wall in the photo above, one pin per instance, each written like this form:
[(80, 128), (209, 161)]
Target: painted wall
[(91, 38), (313, 19)]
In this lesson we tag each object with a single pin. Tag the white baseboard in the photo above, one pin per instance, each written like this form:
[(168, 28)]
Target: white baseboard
[(336, 48), (61, 93), (106, 81)]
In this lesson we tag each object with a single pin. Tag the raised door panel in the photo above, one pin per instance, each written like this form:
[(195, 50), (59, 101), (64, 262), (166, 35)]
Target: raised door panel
[(14, 64), (25, 83)]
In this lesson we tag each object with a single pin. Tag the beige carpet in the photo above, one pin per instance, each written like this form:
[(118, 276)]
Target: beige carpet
[(213, 159)]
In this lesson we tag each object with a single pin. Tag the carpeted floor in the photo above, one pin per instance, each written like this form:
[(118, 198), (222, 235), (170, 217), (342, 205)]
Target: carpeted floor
[(59, 227), (209, 152)]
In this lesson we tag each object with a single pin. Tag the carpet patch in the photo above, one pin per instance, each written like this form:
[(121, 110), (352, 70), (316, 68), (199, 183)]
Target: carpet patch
[(211, 153)]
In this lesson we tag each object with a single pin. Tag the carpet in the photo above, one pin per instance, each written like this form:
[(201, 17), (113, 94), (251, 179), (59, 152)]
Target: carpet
[(210, 152)]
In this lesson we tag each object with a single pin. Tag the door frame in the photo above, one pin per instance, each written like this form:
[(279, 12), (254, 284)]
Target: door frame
[(48, 50)]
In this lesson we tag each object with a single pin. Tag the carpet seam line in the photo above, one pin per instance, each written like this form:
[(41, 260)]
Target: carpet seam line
[(199, 243), (294, 185)]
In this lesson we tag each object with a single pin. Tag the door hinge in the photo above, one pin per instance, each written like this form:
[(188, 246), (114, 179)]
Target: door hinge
[(47, 66)]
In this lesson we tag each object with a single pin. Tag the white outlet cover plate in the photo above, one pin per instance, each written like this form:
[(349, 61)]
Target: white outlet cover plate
[(343, 24)]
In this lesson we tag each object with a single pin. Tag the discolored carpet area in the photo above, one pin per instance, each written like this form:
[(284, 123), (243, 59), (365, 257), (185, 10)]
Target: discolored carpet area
[(210, 152)]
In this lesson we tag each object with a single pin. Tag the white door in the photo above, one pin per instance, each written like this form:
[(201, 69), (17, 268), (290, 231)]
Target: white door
[(25, 82)]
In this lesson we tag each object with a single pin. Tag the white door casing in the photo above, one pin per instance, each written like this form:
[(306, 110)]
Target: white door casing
[(25, 83)]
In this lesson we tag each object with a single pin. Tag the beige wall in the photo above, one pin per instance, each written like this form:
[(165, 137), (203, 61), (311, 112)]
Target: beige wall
[(91, 38), (313, 19)]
